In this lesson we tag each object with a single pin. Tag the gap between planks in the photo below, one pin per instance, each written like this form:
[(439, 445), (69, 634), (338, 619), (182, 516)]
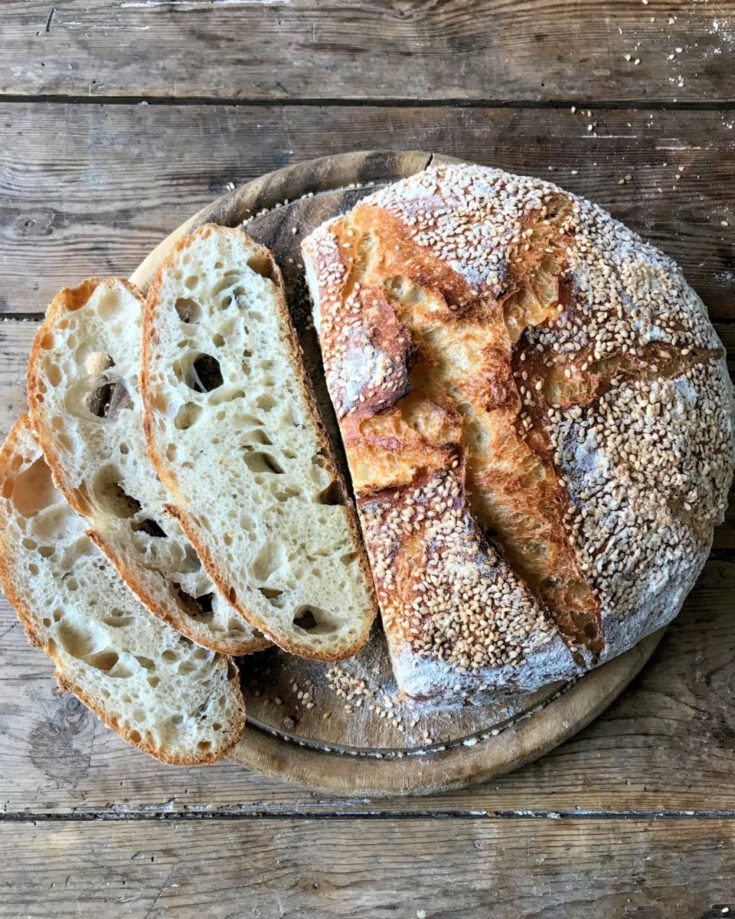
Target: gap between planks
[(144, 814), (654, 105)]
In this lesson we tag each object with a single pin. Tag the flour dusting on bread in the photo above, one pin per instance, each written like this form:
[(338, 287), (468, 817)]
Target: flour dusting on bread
[(571, 375)]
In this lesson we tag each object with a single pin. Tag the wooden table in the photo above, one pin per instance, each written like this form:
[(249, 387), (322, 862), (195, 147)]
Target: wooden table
[(120, 118)]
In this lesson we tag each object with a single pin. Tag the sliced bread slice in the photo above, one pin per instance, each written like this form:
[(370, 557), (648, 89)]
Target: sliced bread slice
[(233, 431), (86, 408), (155, 688)]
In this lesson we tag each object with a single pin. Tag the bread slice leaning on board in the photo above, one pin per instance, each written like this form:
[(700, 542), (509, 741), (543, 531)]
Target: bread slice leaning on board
[(538, 421), (234, 434), (160, 692), (85, 404)]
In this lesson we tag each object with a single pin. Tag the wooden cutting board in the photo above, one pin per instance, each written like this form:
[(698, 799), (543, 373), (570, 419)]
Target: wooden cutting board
[(340, 728)]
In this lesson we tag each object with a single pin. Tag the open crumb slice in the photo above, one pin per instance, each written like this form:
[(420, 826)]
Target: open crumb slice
[(85, 405), (233, 431), (155, 688)]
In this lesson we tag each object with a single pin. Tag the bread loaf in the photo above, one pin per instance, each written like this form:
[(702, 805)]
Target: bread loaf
[(157, 690), (538, 421), (85, 403), (235, 437)]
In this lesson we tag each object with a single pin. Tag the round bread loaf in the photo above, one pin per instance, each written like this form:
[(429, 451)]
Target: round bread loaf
[(538, 420)]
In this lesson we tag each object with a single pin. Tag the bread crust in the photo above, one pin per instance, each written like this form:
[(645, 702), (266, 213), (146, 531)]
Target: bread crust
[(459, 321), (26, 616), (177, 507), (69, 299)]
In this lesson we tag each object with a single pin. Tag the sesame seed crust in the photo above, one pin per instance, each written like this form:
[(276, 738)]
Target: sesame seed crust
[(538, 420)]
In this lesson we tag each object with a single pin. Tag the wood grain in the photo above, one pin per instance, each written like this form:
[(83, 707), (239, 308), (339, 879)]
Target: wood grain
[(278, 50), (92, 189), (446, 868), (664, 746)]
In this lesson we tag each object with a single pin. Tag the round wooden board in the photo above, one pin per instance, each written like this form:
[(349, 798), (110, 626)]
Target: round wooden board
[(301, 725)]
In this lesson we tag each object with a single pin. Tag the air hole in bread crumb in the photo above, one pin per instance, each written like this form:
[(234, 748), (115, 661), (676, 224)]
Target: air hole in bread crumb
[(53, 372), (261, 263), (190, 561), (273, 596), (169, 656), (187, 415), (218, 340), (171, 452), (108, 662), (331, 495), (117, 619), (77, 642), (33, 569), (107, 400), (199, 371), (46, 551), (124, 449), (47, 623), (145, 662), (265, 402), (32, 490), (111, 495), (198, 608), (204, 745), (259, 461), (312, 619), (150, 527), (260, 437), (201, 654), (134, 736), (47, 341), (189, 310), (186, 667)]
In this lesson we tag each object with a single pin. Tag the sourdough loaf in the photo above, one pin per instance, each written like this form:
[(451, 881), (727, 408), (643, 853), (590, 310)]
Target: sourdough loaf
[(85, 404), (233, 432), (538, 421), (155, 688)]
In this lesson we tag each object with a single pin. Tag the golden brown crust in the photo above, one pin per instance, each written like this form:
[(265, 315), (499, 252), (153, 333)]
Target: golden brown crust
[(562, 361), (447, 390), (210, 564)]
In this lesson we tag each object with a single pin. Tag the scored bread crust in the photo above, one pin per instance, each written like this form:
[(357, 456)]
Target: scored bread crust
[(472, 317), (19, 453), (180, 506), (75, 315)]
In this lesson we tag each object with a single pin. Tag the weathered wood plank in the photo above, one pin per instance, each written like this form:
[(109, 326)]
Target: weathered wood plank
[(367, 49), (375, 868), (664, 746), (91, 189)]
